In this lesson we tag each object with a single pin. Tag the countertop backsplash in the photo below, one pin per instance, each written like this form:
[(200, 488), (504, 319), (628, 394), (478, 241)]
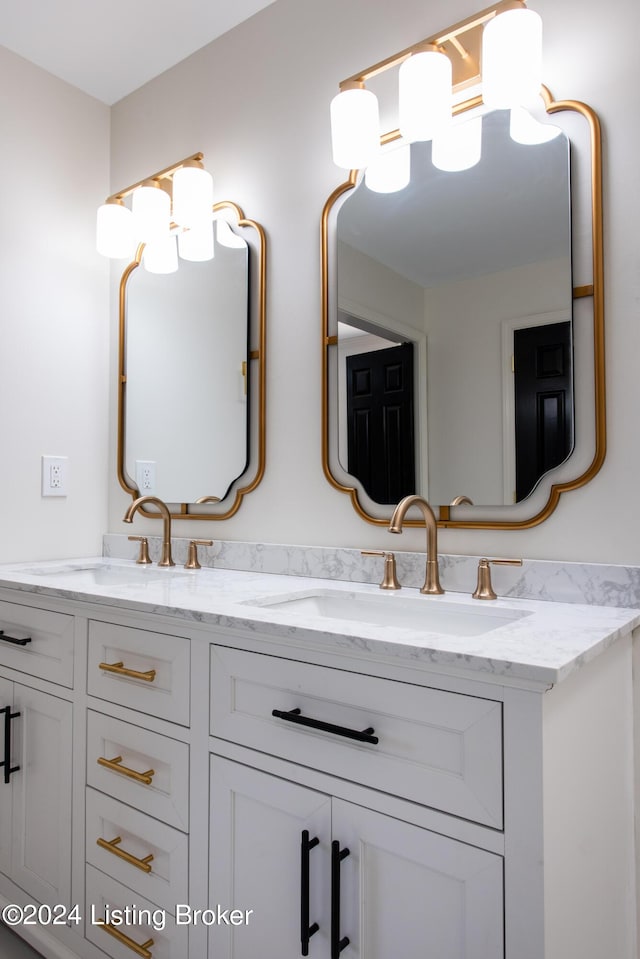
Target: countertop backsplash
[(590, 583)]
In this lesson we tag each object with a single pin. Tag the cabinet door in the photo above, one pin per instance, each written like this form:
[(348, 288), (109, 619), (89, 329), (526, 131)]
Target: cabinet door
[(257, 821), (41, 835), (6, 789), (409, 892)]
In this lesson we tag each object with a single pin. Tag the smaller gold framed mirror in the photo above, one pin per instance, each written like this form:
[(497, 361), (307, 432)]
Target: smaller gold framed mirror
[(191, 374)]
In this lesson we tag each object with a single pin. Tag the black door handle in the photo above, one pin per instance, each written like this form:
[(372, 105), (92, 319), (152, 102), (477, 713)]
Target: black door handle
[(306, 931), (13, 639), (294, 716), (6, 763), (337, 944)]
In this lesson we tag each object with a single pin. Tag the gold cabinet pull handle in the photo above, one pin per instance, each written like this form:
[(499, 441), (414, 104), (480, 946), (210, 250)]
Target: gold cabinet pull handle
[(115, 765), (140, 950), (113, 846), (121, 670)]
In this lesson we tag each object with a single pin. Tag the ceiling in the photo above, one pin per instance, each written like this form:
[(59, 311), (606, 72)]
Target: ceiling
[(108, 48)]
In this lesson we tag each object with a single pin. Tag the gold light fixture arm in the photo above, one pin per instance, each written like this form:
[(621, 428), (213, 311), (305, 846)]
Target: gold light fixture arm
[(471, 28), (165, 174)]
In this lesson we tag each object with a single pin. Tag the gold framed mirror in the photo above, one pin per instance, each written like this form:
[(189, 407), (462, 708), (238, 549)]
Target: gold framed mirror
[(191, 375), (353, 295)]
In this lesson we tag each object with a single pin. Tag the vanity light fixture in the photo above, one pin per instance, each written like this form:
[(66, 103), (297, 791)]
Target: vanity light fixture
[(164, 205), (424, 94), (459, 147), (525, 129), (495, 56), (391, 169)]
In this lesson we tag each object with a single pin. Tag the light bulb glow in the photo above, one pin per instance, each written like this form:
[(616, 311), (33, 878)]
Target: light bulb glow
[(192, 196), (511, 59), (355, 128), (460, 148), (197, 244), (151, 213), (525, 129), (161, 256), (114, 231), (425, 94), (390, 171)]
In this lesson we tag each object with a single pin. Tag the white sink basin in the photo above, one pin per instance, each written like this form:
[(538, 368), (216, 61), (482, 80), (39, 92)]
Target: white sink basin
[(105, 574), (404, 612)]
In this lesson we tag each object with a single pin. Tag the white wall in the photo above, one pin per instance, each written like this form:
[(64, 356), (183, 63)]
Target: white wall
[(257, 103), (465, 373), (54, 312)]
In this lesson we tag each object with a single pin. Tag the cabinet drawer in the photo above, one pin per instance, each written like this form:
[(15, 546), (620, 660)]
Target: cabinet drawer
[(141, 751), (151, 670), (152, 929), (49, 652), (151, 858), (436, 748)]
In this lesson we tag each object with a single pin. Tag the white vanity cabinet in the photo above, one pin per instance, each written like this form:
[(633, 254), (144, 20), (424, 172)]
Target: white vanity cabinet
[(137, 796), (173, 761), (373, 884), (325, 876), (37, 750)]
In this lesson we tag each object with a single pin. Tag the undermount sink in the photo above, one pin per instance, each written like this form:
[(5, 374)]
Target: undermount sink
[(402, 612), (106, 574)]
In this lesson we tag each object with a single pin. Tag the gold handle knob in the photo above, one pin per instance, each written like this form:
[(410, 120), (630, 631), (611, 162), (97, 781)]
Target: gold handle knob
[(143, 556), (389, 578), (192, 561), (140, 950), (113, 846), (121, 670), (115, 765), (484, 589)]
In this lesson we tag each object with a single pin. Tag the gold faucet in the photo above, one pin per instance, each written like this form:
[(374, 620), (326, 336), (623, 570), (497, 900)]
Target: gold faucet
[(432, 580), (165, 559)]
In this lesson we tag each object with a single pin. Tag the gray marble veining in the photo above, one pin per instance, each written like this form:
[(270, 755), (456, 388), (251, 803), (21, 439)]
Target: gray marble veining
[(511, 639), (551, 581)]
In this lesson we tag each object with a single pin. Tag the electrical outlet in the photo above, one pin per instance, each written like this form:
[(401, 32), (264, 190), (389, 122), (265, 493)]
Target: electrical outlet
[(54, 475), (146, 477)]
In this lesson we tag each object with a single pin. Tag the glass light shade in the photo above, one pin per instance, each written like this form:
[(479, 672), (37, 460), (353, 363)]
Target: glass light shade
[(511, 59), (460, 147), (161, 256), (425, 95), (151, 213), (391, 169), (527, 130), (192, 196), (114, 230), (197, 243), (355, 128), (226, 237)]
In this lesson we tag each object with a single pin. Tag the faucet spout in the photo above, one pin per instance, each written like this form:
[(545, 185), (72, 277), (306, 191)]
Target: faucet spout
[(166, 558), (432, 579)]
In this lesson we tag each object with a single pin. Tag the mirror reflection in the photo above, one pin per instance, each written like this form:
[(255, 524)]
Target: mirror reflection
[(186, 410), (454, 336)]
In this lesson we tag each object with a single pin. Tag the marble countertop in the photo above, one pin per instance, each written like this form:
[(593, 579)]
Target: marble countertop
[(519, 639)]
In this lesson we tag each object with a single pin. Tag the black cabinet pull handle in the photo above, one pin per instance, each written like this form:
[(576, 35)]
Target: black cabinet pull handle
[(13, 639), (337, 944), (293, 716), (306, 931), (6, 762)]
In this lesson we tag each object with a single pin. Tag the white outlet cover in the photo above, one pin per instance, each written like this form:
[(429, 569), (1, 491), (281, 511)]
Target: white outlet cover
[(55, 475), (146, 477)]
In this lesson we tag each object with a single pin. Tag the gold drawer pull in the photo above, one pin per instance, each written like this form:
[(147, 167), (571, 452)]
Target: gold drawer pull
[(113, 846), (115, 766), (121, 670), (142, 950)]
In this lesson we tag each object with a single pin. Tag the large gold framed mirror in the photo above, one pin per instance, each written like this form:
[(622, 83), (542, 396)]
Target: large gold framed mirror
[(454, 294), (191, 376)]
